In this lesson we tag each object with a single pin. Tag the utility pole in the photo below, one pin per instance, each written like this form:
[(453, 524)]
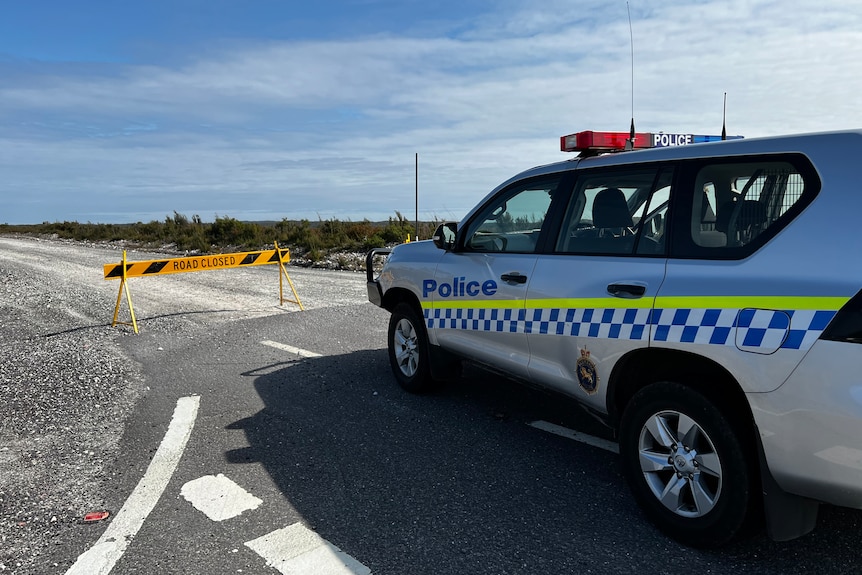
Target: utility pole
[(417, 195)]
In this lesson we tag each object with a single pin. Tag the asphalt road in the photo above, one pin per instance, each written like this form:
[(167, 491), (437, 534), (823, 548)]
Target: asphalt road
[(455, 482), (301, 447)]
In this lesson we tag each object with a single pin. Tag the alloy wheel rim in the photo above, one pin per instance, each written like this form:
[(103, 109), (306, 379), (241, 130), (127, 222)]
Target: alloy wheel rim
[(406, 348), (679, 463)]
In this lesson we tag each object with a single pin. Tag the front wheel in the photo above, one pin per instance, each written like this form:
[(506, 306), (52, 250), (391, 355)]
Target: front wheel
[(685, 465), (409, 354)]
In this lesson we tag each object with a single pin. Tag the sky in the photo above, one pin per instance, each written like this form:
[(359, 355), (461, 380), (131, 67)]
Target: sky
[(122, 112)]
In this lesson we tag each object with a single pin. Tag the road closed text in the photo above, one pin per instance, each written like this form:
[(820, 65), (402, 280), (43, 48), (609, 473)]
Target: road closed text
[(203, 263)]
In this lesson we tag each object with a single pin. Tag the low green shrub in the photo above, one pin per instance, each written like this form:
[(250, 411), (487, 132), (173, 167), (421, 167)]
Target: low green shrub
[(314, 240)]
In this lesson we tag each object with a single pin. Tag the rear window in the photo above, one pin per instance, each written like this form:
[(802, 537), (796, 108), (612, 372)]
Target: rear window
[(736, 206)]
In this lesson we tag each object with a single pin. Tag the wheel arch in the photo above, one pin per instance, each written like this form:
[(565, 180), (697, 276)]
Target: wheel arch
[(642, 367), (394, 296)]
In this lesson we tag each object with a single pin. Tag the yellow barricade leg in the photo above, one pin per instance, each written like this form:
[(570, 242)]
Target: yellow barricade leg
[(124, 287), (283, 272)]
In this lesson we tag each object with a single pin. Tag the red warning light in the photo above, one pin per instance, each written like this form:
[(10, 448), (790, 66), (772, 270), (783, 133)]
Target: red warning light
[(602, 141)]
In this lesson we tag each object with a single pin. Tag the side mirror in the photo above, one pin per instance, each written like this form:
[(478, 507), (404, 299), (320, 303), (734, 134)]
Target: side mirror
[(444, 236)]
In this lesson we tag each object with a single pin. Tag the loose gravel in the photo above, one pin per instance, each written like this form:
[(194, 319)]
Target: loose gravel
[(66, 387), (65, 390)]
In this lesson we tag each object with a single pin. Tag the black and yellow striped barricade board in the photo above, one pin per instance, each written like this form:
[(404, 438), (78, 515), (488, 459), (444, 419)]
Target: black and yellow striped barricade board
[(126, 269), (196, 263)]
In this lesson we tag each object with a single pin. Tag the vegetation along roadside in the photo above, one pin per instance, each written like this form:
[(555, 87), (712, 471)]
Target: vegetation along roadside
[(320, 243)]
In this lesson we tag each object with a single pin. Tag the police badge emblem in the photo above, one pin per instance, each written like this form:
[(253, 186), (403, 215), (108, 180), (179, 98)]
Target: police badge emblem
[(585, 369)]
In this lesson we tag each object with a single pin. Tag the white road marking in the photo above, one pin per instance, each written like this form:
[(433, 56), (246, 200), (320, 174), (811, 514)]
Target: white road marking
[(290, 349), (576, 435), (295, 550), (103, 555), (219, 498)]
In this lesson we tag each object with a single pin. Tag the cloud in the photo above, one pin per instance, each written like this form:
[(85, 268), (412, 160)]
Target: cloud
[(329, 128)]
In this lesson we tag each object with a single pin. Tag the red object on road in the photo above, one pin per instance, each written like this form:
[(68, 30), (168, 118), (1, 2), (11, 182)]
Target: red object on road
[(94, 516)]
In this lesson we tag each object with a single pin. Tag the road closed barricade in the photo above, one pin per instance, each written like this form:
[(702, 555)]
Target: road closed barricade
[(126, 269)]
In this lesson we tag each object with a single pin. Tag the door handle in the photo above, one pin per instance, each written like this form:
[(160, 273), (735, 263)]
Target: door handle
[(514, 277), (626, 290)]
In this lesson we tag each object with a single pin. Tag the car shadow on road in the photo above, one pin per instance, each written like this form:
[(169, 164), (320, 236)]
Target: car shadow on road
[(456, 482)]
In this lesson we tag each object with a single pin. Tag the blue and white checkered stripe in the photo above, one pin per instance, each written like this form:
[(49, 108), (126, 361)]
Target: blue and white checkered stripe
[(602, 323), (495, 320), (751, 329), (748, 328)]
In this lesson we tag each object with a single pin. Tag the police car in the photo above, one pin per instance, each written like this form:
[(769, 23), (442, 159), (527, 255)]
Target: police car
[(703, 300)]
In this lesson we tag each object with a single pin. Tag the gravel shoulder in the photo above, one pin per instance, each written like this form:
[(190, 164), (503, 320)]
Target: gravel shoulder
[(66, 388)]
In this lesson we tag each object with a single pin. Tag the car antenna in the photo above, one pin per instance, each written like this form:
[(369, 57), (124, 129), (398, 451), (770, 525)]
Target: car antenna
[(724, 119), (630, 143)]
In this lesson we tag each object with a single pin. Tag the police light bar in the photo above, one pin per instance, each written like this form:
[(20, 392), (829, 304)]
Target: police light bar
[(590, 141)]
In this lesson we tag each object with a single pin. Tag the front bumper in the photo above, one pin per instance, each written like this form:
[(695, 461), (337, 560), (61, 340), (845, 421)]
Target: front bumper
[(372, 285)]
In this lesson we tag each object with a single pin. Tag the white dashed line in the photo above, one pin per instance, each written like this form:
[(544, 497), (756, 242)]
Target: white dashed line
[(101, 557), (290, 349), (218, 497), (577, 436), (296, 549)]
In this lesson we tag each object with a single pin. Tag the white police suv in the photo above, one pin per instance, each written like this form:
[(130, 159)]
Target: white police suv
[(703, 300)]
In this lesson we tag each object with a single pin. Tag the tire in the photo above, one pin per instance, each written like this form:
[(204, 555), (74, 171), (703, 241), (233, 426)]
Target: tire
[(685, 465), (409, 354)]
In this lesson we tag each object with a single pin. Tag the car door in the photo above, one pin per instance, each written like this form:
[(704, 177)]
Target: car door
[(590, 298), (476, 306)]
